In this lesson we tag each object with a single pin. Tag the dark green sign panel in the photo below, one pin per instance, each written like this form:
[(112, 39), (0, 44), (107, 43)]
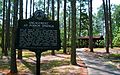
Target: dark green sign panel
[(38, 35)]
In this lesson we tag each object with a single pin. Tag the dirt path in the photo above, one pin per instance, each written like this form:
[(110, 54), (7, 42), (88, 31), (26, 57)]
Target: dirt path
[(96, 63)]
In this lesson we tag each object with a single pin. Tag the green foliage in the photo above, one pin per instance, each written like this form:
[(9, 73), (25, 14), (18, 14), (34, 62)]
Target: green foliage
[(116, 25), (84, 20), (98, 21), (62, 35), (101, 44), (39, 4), (116, 40), (116, 20)]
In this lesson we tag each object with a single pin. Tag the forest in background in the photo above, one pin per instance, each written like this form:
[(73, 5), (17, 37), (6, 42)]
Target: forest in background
[(98, 18), (75, 19)]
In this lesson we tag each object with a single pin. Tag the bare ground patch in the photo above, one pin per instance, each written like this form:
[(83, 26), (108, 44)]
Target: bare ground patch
[(50, 65)]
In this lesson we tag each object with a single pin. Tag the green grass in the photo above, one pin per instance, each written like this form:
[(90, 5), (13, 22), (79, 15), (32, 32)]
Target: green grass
[(54, 63), (4, 65), (28, 54), (49, 52), (117, 61), (113, 56)]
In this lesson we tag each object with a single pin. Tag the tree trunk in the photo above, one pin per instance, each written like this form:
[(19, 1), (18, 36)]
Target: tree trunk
[(58, 9), (110, 24), (69, 31), (64, 44), (3, 28), (107, 29), (105, 6), (80, 20), (44, 6), (21, 17), (26, 9), (53, 14), (13, 66), (73, 35), (6, 30), (90, 27), (30, 7), (53, 51), (33, 5), (48, 8), (79, 26), (7, 41)]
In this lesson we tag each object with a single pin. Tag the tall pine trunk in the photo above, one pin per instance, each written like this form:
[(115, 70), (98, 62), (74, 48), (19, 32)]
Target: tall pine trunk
[(58, 9), (6, 7), (53, 51), (44, 6), (13, 66), (80, 18), (64, 43), (107, 29), (3, 28), (33, 5), (90, 27), (30, 7), (26, 9), (80, 24), (105, 6), (69, 28), (53, 14), (73, 35), (7, 41), (21, 17), (110, 24), (48, 3)]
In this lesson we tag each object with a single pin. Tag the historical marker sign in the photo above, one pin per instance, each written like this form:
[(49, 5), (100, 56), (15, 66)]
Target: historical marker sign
[(38, 35)]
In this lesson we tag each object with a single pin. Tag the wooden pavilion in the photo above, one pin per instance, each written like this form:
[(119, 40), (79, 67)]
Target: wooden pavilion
[(84, 41)]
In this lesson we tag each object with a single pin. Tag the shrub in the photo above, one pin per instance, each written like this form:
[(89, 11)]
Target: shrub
[(116, 40)]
